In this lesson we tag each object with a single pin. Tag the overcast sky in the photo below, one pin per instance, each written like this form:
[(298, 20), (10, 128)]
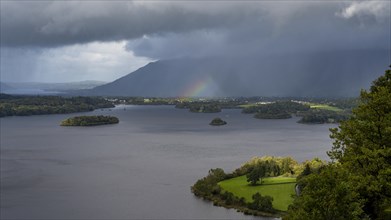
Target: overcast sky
[(62, 41)]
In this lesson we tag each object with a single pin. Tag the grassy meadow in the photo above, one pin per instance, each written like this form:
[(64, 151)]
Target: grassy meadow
[(280, 188)]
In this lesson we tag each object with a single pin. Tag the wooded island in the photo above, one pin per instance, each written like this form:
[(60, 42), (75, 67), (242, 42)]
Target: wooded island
[(90, 120)]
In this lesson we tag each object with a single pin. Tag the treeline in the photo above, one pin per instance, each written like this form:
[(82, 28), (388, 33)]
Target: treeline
[(276, 107), (347, 103), (182, 102), (285, 109), (144, 101), (199, 107), (273, 115), (255, 169), (276, 110), (321, 116), (210, 106), (277, 166), (90, 120), (11, 105)]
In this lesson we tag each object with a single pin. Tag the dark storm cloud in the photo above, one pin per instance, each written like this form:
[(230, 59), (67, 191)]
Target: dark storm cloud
[(321, 49), (187, 26), (48, 24), (320, 27), (309, 40)]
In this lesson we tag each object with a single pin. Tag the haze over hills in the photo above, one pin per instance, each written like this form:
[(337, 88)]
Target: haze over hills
[(5, 87), (321, 74), (47, 88)]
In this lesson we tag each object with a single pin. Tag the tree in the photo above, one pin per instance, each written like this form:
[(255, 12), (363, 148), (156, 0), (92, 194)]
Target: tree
[(362, 145), (217, 174), (207, 186), (307, 171), (261, 203), (256, 174), (287, 164), (358, 184), (327, 195)]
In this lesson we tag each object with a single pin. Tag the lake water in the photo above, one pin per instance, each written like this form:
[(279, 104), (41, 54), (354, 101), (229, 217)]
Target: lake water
[(141, 168)]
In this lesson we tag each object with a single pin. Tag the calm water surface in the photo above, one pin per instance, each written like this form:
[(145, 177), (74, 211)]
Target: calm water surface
[(141, 168)]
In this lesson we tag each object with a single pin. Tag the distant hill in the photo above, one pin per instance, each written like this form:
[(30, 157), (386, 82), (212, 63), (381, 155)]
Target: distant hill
[(4, 88), (326, 74), (50, 88)]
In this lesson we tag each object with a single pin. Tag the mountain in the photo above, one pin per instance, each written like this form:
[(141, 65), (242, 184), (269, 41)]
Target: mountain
[(342, 73)]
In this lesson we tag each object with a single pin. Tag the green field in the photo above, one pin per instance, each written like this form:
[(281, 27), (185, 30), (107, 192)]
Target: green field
[(325, 107), (248, 105), (280, 188)]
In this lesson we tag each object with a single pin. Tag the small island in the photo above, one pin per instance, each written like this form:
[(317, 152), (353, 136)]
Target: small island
[(90, 120), (217, 122)]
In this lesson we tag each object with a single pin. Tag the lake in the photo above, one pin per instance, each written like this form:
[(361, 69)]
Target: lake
[(141, 168)]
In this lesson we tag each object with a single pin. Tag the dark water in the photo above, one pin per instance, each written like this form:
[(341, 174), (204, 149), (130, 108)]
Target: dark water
[(141, 168)]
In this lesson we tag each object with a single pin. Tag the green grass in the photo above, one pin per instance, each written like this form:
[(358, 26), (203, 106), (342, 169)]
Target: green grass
[(325, 107), (280, 188), (248, 105)]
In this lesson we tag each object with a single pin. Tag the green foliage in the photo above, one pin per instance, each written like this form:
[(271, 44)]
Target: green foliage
[(209, 108), (347, 104), (275, 110), (39, 105), (325, 107), (310, 166), (261, 203), (256, 174), (321, 116), (358, 185), (145, 101), (217, 122), (279, 107), (272, 115), (326, 112), (262, 169), (90, 120), (326, 195), (307, 171), (207, 186), (232, 190), (286, 166), (363, 146), (200, 107), (279, 188)]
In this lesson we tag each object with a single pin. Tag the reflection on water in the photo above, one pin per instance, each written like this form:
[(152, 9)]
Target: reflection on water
[(141, 168)]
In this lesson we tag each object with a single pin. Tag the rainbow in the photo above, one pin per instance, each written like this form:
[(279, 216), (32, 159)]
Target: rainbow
[(200, 88)]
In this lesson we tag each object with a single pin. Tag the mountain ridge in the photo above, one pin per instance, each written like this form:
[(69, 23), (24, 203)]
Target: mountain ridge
[(263, 76)]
